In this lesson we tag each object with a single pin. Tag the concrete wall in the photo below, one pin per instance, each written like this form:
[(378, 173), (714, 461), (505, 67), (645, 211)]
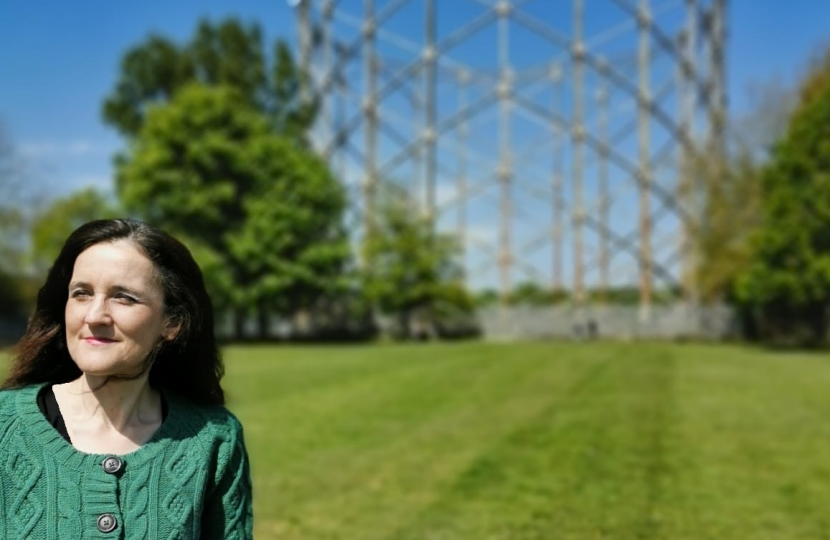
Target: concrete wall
[(620, 322)]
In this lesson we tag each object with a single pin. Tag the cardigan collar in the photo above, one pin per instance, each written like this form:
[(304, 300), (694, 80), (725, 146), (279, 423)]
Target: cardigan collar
[(40, 432)]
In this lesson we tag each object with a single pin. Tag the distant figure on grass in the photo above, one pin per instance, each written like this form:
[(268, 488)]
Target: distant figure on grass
[(593, 329), (589, 331), (112, 420)]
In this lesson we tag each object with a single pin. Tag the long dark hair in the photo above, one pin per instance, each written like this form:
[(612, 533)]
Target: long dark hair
[(189, 365)]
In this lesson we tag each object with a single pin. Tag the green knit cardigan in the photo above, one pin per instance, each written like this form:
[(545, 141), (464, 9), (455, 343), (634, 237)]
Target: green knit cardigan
[(191, 480)]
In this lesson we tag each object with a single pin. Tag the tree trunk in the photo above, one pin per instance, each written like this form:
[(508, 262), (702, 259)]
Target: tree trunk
[(239, 324), (426, 323), (404, 323), (263, 323)]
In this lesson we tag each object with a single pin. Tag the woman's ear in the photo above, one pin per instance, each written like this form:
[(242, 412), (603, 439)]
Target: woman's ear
[(171, 329)]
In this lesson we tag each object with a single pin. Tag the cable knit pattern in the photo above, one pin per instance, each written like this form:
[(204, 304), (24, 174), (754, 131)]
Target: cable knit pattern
[(137, 500), (69, 505), (179, 469), (191, 480), (233, 481), (25, 506), (233, 499)]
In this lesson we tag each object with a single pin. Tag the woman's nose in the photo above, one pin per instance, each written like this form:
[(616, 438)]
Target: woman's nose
[(97, 313)]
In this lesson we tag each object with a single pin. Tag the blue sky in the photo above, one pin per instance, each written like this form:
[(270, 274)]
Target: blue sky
[(59, 59)]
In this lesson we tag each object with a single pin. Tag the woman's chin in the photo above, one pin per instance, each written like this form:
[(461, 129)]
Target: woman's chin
[(96, 366)]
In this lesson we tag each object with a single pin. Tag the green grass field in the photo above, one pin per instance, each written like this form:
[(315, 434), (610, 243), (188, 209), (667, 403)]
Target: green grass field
[(535, 441)]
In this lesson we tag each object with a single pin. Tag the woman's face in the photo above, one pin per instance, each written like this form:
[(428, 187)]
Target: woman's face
[(115, 310)]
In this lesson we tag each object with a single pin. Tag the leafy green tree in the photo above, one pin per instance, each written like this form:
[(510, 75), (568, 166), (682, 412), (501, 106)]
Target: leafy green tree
[(292, 246), (226, 54), (411, 271), (526, 293), (211, 156), (730, 215), (816, 82), (52, 224), (788, 280), (261, 214), (291, 105), (189, 171), (150, 73), (194, 163), (624, 295), (530, 293), (723, 191), (486, 298)]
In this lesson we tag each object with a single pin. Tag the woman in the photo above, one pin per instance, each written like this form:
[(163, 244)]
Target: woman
[(112, 422)]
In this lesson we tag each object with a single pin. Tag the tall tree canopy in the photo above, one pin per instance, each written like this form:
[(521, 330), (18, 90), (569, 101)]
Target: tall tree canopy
[(728, 210), (225, 54), (263, 215), (817, 81), (789, 278), (218, 154), (411, 271)]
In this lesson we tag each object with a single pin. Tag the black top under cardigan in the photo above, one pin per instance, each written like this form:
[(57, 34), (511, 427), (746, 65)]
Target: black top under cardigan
[(49, 407)]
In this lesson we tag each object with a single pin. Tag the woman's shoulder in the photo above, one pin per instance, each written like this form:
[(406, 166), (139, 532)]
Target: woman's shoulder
[(8, 399), (9, 396), (17, 404), (214, 421)]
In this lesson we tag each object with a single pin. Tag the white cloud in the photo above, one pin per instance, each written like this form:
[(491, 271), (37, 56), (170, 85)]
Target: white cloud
[(100, 182), (71, 148)]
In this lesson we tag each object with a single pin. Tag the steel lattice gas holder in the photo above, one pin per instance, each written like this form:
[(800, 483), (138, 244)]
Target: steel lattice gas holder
[(550, 135)]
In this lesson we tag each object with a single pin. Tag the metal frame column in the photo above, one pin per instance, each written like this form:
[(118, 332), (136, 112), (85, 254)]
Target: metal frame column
[(717, 75), (305, 40), (557, 181), (430, 90), (578, 52), (688, 185), (604, 195), (370, 116), (505, 90), (328, 67), (644, 152), (461, 178)]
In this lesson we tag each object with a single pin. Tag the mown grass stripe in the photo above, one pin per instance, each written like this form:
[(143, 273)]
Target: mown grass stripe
[(512, 467)]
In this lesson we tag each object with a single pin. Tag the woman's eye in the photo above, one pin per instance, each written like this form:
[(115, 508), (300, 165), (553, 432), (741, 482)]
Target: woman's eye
[(125, 299), (79, 294)]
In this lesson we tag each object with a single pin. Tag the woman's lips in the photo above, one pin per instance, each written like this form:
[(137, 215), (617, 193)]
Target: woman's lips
[(98, 341)]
